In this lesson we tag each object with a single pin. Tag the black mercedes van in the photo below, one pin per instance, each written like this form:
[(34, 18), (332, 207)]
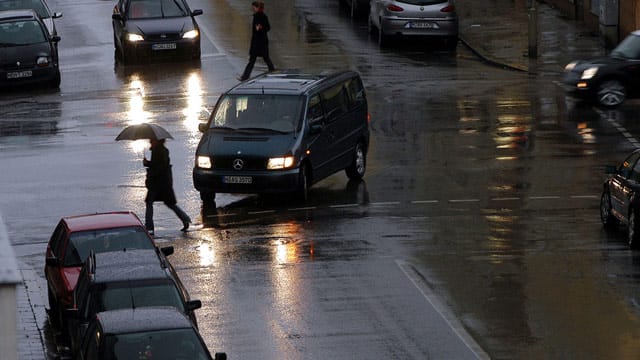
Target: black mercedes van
[(281, 132)]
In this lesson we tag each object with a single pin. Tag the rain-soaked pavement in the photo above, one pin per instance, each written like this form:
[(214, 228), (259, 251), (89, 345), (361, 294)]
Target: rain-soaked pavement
[(475, 233)]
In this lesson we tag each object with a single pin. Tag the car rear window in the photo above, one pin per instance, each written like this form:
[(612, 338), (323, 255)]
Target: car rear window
[(104, 240), (125, 296), (165, 344)]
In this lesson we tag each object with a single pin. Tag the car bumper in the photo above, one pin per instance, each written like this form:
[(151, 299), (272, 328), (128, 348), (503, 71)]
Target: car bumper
[(183, 48), (420, 27), (36, 75), (262, 182), (573, 84)]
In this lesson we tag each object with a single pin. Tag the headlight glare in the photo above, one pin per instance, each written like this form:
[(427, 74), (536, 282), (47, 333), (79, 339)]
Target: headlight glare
[(589, 73), (204, 162), (134, 37), (192, 34), (283, 162), (570, 66)]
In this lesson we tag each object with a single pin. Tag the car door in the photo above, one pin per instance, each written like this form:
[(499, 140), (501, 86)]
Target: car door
[(317, 138), (336, 106), (622, 183)]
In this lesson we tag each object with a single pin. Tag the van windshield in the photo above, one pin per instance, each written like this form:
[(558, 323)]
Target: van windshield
[(279, 113)]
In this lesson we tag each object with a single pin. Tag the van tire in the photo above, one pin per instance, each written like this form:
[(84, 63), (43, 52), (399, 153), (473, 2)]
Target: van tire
[(358, 167), (302, 193)]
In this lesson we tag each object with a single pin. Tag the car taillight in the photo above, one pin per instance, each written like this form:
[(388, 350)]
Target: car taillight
[(394, 8), (368, 117), (448, 8)]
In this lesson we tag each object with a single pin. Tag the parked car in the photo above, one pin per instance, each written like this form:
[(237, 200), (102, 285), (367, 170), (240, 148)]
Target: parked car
[(72, 241), (356, 6), (144, 333), (282, 132), (125, 280), (620, 200), (39, 6), (414, 18), (608, 80), (155, 28), (28, 53)]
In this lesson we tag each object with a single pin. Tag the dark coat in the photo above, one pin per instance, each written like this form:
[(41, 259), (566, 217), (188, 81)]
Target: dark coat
[(159, 180), (259, 39)]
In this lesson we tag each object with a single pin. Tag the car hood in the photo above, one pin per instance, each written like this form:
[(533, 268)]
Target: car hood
[(24, 53), (160, 25), (600, 62), (241, 143)]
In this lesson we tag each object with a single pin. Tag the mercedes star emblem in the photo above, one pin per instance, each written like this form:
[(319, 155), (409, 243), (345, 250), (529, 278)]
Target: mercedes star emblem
[(238, 164)]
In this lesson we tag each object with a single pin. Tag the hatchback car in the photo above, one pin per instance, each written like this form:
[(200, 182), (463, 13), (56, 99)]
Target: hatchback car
[(282, 132), (620, 200), (414, 18), (155, 29), (72, 241), (607, 80), (28, 53), (143, 333), (39, 6), (125, 280)]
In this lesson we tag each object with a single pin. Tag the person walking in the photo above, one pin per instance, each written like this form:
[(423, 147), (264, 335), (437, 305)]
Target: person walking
[(259, 39), (159, 184)]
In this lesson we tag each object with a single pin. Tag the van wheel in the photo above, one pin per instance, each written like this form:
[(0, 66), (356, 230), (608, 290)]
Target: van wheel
[(302, 192), (359, 165)]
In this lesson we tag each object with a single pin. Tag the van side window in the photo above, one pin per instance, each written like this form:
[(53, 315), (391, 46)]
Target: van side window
[(356, 91), (335, 101), (314, 110)]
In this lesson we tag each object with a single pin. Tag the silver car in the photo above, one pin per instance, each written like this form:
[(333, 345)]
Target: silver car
[(429, 18)]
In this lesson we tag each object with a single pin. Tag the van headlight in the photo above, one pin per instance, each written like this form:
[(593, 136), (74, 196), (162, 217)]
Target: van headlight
[(204, 162), (589, 73), (283, 162)]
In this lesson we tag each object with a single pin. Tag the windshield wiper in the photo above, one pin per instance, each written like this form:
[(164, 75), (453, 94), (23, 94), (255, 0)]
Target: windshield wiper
[(222, 128), (263, 129)]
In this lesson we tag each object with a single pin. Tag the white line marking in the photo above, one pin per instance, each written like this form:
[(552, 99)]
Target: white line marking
[(584, 196), (382, 203), (260, 212), (463, 200), (505, 199), (446, 315), (303, 208), (343, 205), (544, 197), (424, 201)]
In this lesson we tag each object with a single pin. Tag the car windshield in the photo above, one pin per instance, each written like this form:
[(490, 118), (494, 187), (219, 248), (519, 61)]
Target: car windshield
[(161, 344), (21, 33), (149, 9), (127, 295), (104, 240), (629, 48), (278, 113), (36, 5)]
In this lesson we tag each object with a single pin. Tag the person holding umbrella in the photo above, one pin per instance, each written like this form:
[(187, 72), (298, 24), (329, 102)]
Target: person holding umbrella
[(159, 183)]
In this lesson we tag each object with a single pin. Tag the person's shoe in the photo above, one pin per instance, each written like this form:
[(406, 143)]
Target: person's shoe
[(185, 225)]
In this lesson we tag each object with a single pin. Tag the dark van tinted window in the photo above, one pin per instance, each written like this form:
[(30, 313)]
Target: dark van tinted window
[(356, 92), (335, 101), (314, 110)]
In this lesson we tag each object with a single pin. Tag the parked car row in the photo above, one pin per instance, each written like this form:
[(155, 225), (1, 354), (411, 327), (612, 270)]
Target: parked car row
[(113, 293), (394, 19)]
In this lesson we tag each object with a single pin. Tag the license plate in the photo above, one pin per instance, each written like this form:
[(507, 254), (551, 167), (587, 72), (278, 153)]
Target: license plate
[(422, 25), (237, 179), (19, 74), (164, 46)]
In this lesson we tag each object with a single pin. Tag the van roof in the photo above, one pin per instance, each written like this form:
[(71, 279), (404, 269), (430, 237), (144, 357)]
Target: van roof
[(287, 82)]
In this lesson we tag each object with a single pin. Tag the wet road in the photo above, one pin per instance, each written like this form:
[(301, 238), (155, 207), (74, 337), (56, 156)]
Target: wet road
[(475, 233)]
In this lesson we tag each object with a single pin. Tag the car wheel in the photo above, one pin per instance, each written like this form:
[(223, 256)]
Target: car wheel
[(606, 216), (632, 229), (611, 93), (302, 193), (359, 165)]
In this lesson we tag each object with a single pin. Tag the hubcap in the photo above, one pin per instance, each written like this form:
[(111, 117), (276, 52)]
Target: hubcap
[(611, 94)]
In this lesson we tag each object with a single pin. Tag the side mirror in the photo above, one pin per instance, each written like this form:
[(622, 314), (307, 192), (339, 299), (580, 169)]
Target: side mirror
[(193, 305), (203, 127), (610, 169), (196, 12), (52, 261), (167, 250), (55, 38), (57, 15), (116, 16)]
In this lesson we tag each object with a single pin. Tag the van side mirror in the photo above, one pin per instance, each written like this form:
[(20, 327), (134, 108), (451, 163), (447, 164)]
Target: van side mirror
[(203, 127), (55, 38), (167, 250), (610, 169), (193, 305)]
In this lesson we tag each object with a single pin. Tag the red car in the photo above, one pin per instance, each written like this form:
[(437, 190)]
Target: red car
[(75, 237)]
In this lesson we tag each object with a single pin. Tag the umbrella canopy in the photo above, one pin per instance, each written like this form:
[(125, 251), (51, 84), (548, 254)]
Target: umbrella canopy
[(144, 131)]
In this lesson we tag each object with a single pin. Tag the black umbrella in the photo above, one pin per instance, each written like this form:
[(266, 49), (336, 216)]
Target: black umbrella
[(144, 131)]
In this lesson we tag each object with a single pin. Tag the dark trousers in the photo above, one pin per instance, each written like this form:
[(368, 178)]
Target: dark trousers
[(252, 61), (148, 215)]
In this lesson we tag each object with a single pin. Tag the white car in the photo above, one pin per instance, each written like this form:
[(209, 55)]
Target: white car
[(413, 18)]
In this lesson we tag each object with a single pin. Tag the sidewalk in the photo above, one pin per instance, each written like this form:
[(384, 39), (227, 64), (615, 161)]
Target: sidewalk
[(495, 30)]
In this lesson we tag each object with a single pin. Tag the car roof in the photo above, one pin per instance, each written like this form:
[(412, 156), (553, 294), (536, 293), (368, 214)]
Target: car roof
[(142, 319), (106, 220), (22, 14), (289, 82), (127, 265)]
